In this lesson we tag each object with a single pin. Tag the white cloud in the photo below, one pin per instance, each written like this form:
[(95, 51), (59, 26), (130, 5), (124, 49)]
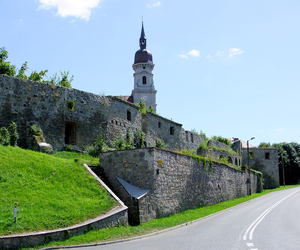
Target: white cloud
[(280, 129), (194, 52), (220, 53), (209, 56), (77, 8), (235, 51), (184, 56), (151, 6)]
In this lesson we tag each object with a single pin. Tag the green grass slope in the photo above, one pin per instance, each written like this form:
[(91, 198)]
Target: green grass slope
[(50, 191)]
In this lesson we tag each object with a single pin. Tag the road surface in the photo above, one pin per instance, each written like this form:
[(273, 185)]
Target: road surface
[(269, 222)]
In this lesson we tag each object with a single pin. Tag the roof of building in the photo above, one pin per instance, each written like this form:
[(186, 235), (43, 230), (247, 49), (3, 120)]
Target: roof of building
[(143, 55), (134, 191)]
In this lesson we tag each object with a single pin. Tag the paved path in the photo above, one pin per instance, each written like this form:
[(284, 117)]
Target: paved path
[(267, 223)]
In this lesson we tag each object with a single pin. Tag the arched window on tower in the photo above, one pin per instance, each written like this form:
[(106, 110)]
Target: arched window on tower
[(144, 80)]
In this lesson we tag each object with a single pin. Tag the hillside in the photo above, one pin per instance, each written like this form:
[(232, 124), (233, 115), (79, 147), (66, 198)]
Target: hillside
[(49, 191)]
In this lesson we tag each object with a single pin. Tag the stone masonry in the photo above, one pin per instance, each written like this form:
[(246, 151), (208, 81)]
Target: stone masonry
[(264, 160), (26, 102), (176, 182)]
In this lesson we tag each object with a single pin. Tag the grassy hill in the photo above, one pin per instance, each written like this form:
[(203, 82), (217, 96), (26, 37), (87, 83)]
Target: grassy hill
[(49, 191)]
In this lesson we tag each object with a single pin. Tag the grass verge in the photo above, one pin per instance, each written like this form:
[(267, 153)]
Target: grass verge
[(111, 234), (50, 191)]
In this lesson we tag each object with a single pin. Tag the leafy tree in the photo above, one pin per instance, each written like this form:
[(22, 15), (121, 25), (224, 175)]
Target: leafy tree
[(38, 77), (6, 68), (265, 145), (142, 107), (21, 74), (289, 159)]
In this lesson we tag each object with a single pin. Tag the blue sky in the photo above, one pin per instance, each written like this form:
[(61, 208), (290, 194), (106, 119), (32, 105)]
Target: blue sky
[(226, 67)]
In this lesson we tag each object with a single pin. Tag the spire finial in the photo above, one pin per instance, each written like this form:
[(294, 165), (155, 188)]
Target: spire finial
[(143, 38)]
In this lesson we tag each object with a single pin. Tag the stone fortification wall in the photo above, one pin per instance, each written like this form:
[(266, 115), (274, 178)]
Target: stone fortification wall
[(264, 160), (171, 133), (235, 160), (217, 144), (25, 101), (177, 182)]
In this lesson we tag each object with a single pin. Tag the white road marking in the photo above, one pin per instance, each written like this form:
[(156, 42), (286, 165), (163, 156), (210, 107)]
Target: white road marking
[(250, 244), (252, 227)]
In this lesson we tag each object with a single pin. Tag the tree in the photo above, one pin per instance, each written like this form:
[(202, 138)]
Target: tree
[(142, 107), (21, 74), (6, 68), (264, 145), (38, 77), (289, 157)]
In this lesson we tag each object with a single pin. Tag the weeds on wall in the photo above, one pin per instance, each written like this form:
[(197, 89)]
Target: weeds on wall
[(160, 144), (36, 132), (71, 105), (222, 139), (204, 145)]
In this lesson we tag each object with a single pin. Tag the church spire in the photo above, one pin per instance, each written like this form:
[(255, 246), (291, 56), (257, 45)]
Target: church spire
[(143, 38)]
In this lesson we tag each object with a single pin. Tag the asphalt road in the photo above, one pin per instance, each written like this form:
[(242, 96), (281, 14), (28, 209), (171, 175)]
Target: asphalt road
[(270, 222)]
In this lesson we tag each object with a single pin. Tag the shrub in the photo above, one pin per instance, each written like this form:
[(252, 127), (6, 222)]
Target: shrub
[(138, 140), (160, 144), (222, 139), (13, 134), (98, 147), (142, 107), (4, 136)]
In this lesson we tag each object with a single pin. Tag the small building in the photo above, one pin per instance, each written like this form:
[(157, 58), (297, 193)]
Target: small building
[(264, 160)]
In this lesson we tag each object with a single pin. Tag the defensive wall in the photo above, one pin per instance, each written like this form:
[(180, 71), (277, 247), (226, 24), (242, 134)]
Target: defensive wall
[(155, 183), (26, 102), (264, 160)]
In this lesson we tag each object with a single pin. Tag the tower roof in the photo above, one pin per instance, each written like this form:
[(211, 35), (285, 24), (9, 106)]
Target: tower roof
[(143, 55)]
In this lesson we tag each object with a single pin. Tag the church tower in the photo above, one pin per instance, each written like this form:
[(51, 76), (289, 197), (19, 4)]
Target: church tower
[(143, 77)]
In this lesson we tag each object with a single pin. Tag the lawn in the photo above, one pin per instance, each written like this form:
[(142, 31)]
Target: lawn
[(49, 191)]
